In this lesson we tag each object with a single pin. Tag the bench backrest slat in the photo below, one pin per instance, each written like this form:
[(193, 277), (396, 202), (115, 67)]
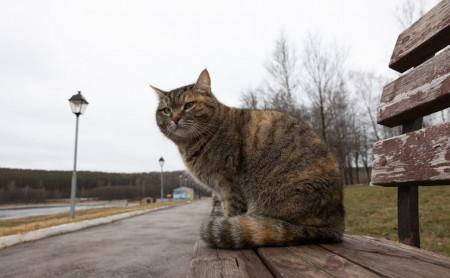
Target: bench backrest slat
[(421, 157), (425, 37), (420, 92)]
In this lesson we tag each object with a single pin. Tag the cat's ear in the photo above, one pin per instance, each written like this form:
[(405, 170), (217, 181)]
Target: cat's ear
[(160, 92), (203, 82)]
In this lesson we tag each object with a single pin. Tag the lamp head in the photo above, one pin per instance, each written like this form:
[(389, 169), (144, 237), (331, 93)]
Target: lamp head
[(78, 103)]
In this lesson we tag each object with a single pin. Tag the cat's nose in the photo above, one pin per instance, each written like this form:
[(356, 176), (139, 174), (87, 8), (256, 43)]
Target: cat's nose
[(176, 120)]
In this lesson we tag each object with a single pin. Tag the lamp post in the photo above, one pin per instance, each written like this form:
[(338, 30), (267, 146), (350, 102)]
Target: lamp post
[(185, 180), (181, 176), (161, 162), (78, 105)]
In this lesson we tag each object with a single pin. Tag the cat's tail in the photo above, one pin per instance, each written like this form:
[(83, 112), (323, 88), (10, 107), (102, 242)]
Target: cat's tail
[(247, 231)]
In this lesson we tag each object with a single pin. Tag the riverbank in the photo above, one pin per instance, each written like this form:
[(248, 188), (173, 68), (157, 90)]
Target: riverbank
[(27, 224), (56, 203), (19, 211)]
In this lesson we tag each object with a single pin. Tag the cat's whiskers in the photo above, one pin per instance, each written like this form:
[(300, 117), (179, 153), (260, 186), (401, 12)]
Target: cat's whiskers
[(196, 131), (201, 128), (168, 130), (198, 135), (200, 131)]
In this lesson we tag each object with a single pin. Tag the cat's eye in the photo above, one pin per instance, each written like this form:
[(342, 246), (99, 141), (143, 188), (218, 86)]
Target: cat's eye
[(166, 110), (188, 105)]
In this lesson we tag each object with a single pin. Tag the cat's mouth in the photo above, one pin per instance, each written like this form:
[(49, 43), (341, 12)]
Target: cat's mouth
[(180, 129), (183, 130)]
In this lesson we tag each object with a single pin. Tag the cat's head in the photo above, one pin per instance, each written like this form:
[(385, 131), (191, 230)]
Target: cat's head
[(188, 112)]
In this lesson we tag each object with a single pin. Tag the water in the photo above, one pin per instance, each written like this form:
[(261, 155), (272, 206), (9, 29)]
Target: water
[(8, 213)]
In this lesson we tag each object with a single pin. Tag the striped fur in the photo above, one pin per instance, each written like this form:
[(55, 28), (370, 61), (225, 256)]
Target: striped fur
[(278, 181), (248, 231)]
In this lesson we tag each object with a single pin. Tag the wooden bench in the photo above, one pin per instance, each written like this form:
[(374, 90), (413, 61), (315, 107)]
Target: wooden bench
[(356, 256), (417, 157)]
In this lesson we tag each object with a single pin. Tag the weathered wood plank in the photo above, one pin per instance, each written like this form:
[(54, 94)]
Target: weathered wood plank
[(417, 158), (386, 261), (211, 262), (422, 91), (420, 254), (356, 256), (423, 39), (309, 261)]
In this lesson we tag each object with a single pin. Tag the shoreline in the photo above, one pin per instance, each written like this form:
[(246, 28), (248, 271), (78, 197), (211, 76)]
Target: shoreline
[(61, 204)]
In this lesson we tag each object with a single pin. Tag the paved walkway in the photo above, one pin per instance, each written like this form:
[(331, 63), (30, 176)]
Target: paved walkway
[(157, 244)]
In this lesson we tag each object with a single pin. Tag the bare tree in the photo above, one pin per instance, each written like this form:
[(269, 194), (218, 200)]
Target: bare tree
[(252, 98), (365, 149), (324, 67), (280, 90), (341, 120), (368, 88), (282, 68), (408, 12)]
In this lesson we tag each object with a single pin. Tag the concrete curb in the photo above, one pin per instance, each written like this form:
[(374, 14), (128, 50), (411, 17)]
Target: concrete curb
[(6, 241)]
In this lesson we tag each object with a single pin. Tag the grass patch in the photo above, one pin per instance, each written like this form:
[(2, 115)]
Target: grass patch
[(32, 223), (372, 210)]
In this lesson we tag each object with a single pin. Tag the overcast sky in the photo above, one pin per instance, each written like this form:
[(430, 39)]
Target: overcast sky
[(113, 50)]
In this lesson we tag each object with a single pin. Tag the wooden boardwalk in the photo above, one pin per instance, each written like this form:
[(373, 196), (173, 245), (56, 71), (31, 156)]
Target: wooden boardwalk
[(356, 256)]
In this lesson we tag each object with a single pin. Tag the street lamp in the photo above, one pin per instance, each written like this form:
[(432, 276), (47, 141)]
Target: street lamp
[(185, 180), (161, 162), (181, 176), (78, 105)]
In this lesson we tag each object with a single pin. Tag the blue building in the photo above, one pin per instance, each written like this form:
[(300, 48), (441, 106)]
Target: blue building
[(183, 193)]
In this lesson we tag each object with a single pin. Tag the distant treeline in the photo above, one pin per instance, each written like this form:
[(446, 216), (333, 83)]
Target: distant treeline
[(30, 186)]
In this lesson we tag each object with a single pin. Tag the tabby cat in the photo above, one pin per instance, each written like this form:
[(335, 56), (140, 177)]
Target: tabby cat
[(279, 182)]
